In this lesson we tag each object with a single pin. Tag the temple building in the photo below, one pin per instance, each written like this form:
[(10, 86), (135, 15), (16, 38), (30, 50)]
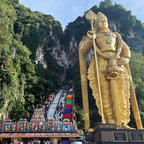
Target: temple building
[(53, 123)]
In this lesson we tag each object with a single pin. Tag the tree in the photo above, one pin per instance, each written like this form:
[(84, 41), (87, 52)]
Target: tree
[(106, 4)]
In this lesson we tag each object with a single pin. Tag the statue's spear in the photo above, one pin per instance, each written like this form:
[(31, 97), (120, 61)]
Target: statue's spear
[(91, 17)]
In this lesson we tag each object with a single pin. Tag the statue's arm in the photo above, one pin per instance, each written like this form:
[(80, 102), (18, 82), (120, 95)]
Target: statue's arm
[(123, 51), (85, 45), (124, 55)]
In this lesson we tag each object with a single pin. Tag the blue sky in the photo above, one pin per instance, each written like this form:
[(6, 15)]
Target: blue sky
[(66, 11)]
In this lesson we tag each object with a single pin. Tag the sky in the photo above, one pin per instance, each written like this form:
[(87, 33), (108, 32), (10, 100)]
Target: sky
[(66, 11)]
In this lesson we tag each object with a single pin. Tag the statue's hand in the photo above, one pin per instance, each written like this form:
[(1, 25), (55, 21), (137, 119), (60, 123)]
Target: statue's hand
[(123, 61), (117, 56), (91, 34)]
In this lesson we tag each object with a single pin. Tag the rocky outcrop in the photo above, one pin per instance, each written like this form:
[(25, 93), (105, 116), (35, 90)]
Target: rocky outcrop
[(40, 57)]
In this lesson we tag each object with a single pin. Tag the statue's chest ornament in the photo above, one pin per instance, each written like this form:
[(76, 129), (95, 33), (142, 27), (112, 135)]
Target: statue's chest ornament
[(108, 38)]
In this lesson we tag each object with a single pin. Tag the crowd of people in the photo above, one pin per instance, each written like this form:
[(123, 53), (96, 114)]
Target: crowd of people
[(60, 108), (47, 104)]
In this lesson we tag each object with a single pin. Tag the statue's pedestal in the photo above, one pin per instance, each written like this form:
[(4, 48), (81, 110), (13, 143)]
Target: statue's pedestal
[(108, 134)]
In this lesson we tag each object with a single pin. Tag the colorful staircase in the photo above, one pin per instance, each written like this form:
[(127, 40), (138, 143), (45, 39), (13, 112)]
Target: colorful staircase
[(68, 114)]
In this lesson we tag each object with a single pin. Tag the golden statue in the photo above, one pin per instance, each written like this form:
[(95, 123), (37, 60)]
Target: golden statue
[(108, 74)]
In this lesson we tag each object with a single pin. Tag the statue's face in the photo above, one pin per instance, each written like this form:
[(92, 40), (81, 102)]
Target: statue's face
[(102, 22)]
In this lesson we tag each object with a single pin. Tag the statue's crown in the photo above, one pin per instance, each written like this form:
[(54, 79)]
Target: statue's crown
[(100, 15)]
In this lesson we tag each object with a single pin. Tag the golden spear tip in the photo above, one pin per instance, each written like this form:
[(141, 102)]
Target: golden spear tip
[(91, 15)]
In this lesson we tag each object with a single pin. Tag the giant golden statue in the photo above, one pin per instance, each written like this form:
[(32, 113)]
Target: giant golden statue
[(108, 74)]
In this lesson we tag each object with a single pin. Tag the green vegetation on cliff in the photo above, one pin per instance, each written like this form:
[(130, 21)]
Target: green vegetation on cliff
[(17, 74), (24, 85)]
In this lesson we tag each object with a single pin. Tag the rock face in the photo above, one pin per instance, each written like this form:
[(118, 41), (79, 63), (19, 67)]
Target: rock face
[(64, 58), (40, 57), (133, 37)]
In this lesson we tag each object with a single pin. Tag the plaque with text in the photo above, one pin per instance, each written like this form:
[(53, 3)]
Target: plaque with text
[(136, 136), (120, 136)]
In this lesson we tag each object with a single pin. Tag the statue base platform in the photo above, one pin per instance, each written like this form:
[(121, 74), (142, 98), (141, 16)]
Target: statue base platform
[(108, 134)]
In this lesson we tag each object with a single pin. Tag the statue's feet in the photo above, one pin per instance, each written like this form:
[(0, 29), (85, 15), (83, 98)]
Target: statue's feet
[(125, 126)]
